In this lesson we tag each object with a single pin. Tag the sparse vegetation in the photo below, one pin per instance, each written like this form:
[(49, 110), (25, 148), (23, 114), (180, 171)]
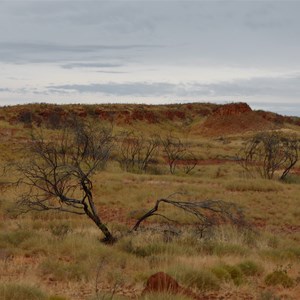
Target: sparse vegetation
[(61, 255)]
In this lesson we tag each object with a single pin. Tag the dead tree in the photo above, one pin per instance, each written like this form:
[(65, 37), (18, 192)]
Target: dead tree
[(190, 162), (136, 152), (269, 152), (206, 213), (56, 173), (175, 151)]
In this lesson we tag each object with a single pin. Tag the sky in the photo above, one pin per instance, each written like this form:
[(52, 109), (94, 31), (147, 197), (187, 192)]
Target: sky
[(152, 52)]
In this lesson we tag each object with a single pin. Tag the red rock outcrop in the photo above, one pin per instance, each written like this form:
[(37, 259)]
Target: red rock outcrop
[(233, 109), (161, 282)]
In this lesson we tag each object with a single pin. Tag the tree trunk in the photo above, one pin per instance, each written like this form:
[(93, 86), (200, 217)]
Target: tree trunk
[(108, 237)]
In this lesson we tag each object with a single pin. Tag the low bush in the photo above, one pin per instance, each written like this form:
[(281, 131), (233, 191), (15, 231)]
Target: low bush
[(235, 273), (250, 268), (204, 280), (279, 277)]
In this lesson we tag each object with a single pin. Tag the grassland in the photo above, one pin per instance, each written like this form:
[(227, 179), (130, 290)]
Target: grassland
[(48, 255)]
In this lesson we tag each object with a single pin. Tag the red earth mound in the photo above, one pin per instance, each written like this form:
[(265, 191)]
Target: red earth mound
[(162, 282), (234, 118)]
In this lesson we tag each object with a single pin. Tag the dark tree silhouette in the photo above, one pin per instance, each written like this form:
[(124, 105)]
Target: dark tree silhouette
[(58, 172), (206, 213)]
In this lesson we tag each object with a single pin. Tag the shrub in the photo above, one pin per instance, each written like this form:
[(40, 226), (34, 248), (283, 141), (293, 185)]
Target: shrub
[(141, 248), (204, 280), (60, 230), (279, 277), (14, 238), (250, 268), (221, 273), (235, 274), (13, 291)]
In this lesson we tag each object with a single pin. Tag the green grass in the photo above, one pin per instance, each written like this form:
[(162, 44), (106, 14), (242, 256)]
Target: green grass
[(14, 291)]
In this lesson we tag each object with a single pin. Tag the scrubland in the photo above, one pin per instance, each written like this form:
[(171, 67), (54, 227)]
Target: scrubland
[(57, 256)]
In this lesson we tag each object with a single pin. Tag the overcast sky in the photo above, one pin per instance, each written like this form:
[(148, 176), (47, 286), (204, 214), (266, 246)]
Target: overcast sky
[(151, 52)]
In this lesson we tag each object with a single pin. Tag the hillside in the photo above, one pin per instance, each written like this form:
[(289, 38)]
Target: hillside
[(204, 119)]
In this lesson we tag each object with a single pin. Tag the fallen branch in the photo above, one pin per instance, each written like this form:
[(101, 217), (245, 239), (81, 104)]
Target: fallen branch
[(207, 213)]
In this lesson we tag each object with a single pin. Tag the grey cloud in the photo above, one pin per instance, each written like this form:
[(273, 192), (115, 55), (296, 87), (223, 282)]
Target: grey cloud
[(91, 65), (247, 33), (267, 86), (119, 89), (17, 52)]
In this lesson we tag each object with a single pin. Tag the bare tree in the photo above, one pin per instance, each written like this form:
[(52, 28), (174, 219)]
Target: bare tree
[(136, 152), (206, 213), (270, 152), (190, 162), (57, 172), (130, 146), (174, 149)]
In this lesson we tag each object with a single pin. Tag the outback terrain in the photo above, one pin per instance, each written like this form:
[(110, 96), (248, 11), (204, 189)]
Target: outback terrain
[(241, 240)]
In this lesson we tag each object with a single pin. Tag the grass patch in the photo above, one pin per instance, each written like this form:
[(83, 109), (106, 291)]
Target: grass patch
[(255, 185), (61, 271), (13, 291)]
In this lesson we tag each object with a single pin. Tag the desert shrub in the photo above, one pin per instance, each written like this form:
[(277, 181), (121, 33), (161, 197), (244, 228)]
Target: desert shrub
[(279, 277), (142, 249), (60, 230), (250, 268), (14, 238), (13, 291), (221, 273), (25, 117), (235, 274)]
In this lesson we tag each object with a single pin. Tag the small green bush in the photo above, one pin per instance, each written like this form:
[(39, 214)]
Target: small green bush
[(14, 238), (204, 280), (13, 291), (250, 268), (279, 277), (60, 230), (235, 274), (221, 273), (143, 250)]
